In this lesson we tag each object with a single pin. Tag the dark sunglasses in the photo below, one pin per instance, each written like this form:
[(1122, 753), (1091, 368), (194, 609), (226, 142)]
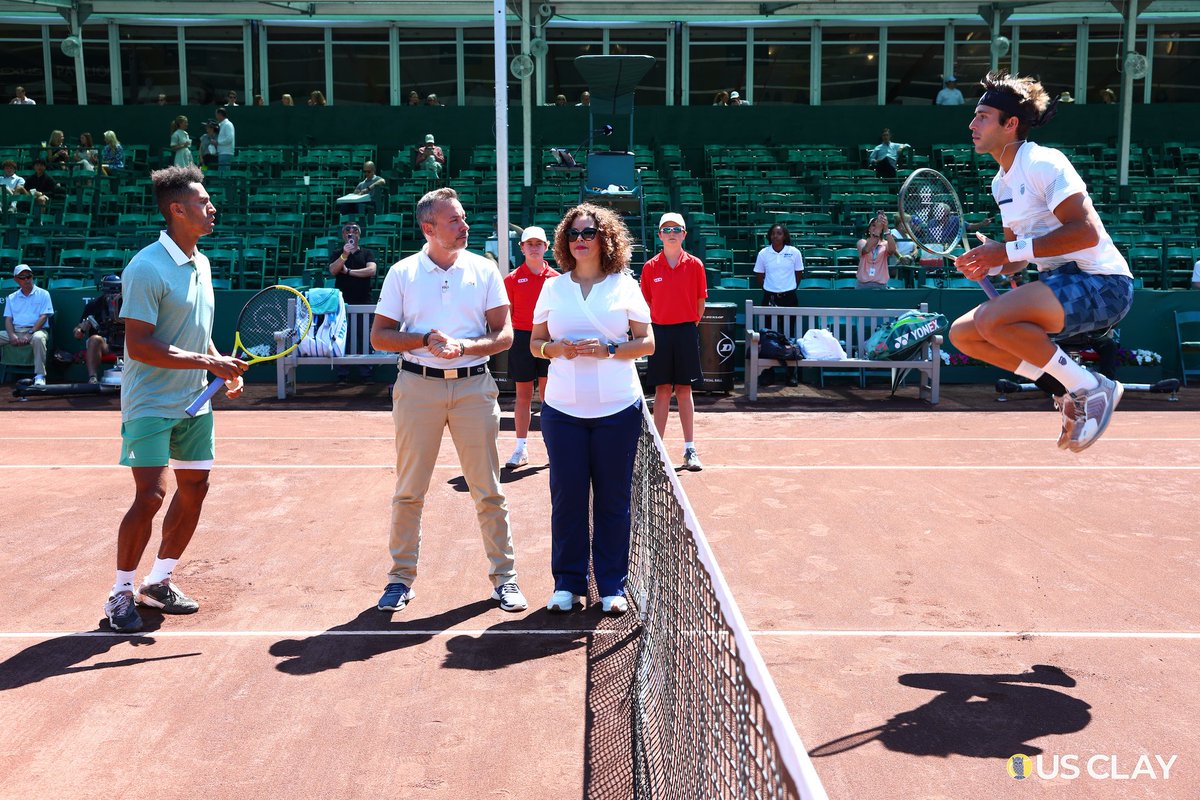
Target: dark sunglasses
[(672, 229), (24, 277), (587, 234)]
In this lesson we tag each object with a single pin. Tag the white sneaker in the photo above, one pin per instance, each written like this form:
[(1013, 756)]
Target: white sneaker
[(510, 597), (39, 380), (563, 601), (614, 604), (519, 458), (1093, 411), (691, 460), (1065, 405)]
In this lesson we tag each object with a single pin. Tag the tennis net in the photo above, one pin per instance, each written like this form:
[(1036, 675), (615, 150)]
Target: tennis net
[(707, 721)]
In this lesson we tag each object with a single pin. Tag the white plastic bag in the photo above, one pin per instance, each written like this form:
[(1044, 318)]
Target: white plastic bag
[(818, 344)]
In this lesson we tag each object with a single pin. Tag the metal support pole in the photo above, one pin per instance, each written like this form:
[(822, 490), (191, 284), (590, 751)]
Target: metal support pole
[(501, 75)]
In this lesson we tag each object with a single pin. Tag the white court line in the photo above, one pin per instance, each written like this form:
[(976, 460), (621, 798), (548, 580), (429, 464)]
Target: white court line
[(773, 467), (446, 437), (813, 634)]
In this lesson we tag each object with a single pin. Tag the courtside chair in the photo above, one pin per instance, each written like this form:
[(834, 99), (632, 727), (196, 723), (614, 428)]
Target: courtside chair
[(1187, 334)]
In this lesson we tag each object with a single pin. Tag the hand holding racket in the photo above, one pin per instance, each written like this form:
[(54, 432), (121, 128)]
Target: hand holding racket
[(931, 215), (271, 325)]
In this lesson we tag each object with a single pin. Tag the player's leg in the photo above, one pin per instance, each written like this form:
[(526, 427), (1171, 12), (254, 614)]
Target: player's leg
[(40, 342), (662, 407), (614, 441), (686, 370), (96, 349), (1012, 328), (522, 411)]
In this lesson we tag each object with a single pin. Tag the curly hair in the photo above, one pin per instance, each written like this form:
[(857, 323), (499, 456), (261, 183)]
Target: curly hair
[(616, 245), (173, 184), (787, 235), (1034, 97)]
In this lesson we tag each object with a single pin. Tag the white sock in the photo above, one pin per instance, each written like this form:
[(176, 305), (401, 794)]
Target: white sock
[(162, 569), (1027, 370), (521, 444), (1074, 377), (124, 581), (689, 446)]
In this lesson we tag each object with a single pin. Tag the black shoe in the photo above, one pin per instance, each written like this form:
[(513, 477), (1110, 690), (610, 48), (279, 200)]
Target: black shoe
[(766, 378)]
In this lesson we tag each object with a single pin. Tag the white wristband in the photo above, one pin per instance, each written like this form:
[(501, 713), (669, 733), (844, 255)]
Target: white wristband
[(1019, 249)]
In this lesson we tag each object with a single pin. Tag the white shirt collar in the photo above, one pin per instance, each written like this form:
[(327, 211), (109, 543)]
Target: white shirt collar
[(429, 265), (173, 249)]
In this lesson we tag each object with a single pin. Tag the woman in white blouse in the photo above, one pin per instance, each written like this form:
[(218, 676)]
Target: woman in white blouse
[(591, 323), (778, 267)]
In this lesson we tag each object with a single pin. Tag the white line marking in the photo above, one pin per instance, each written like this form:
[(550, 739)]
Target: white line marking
[(801, 439), (991, 634), (774, 467)]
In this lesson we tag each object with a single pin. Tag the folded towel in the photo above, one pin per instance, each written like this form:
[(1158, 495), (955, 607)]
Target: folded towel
[(323, 300)]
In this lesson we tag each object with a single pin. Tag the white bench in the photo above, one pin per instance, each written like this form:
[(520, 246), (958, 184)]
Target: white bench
[(851, 326), (358, 352)]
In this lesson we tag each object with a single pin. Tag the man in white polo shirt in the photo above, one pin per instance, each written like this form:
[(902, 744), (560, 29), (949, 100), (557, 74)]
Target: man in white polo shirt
[(27, 314), (445, 311)]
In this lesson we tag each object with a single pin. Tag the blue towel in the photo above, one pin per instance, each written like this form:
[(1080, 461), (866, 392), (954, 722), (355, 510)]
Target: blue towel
[(324, 300)]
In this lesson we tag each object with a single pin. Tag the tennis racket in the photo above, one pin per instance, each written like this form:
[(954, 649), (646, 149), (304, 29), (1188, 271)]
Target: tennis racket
[(932, 216), (271, 325)]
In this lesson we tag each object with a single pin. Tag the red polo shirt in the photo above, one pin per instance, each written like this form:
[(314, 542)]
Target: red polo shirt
[(674, 293), (523, 287)]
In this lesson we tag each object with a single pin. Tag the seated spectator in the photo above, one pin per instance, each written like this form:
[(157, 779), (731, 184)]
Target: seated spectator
[(231, 99), (721, 98), (1196, 275), (432, 100), (950, 95), (735, 99), (42, 187), (258, 100), (873, 252), (22, 99), (429, 158), (102, 326), (316, 98), (1066, 97), (286, 100), (162, 99), (560, 100), (906, 249), (414, 99), (181, 143), (56, 149), (367, 189), (779, 267), (208, 144), (11, 181), (884, 157), (27, 314), (353, 269), (86, 157), (1108, 96), (585, 99), (112, 157)]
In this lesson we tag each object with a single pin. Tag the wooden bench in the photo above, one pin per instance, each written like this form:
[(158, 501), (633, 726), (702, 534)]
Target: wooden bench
[(358, 352), (850, 326)]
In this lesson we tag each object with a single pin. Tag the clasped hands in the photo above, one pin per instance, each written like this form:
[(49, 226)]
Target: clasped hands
[(443, 346), (594, 348), (977, 262)]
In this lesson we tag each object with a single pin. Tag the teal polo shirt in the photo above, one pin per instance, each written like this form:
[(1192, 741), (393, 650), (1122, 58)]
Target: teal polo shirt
[(173, 292)]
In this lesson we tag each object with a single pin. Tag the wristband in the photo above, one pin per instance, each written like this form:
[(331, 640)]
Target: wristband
[(543, 351), (425, 338), (1019, 249)]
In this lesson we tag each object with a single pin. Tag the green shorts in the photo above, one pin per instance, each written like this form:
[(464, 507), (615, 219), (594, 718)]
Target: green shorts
[(187, 443)]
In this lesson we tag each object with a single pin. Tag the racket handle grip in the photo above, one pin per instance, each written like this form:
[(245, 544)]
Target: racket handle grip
[(988, 289), (205, 396)]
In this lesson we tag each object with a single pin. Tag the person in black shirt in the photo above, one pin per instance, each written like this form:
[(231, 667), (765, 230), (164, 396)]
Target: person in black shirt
[(102, 325), (41, 186), (353, 270)]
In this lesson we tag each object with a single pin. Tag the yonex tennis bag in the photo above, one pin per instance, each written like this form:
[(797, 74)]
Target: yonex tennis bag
[(901, 338), (773, 345)]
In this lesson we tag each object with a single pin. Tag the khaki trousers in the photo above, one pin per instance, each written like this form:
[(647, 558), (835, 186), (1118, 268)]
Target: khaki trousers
[(38, 343), (421, 409)]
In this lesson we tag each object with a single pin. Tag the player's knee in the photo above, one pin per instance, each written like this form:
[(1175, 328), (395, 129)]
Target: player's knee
[(988, 323), (963, 334), (149, 499)]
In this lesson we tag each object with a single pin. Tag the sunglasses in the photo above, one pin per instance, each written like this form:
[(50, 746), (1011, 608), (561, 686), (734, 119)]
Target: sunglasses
[(24, 277), (672, 229), (587, 234)]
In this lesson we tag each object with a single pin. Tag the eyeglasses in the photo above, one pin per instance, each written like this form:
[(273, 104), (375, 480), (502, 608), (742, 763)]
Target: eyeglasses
[(587, 234), (672, 229)]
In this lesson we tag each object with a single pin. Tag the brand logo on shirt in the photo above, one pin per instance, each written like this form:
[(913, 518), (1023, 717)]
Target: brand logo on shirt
[(658, 280), (1022, 189), (522, 280)]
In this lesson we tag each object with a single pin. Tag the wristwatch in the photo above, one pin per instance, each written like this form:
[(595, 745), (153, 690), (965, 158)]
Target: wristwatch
[(612, 349)]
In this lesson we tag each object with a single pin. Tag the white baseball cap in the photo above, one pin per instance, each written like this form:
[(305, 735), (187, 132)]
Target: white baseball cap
[(734, 96), (533, 232), (20, 269), (672, 217)]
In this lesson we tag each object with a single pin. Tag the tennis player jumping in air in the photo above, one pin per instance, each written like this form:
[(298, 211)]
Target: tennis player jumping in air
[(1084, 283)]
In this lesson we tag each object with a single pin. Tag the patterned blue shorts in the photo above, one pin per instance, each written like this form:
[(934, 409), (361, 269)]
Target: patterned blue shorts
[(1090, 302)]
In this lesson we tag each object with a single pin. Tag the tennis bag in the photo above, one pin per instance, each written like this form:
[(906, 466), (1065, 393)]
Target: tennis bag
[(900, 339), (774, 346)]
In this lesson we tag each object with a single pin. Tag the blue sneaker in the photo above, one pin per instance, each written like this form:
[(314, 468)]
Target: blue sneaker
[(122, 615), (395, 597)]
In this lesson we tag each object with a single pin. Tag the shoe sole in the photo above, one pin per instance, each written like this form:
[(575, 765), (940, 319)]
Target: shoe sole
[(150, 602), (693, 467), (508, 606), (127, 629), (575, 606), (515, 464), (1118, 393)]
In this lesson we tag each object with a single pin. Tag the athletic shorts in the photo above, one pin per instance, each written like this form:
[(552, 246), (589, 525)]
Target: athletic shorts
[(1090, 302), (523, 365), (187, 443), (676, 356)]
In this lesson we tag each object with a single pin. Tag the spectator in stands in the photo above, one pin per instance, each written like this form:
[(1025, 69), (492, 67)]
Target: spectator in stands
[(779, 267), (56, 149), (259, 101), (86, 156), (950, 95), (316, 98), (591, 324), (585, 99), (721, 98), (112, 157), (444, 310), (432, 100), (226, 141), (181, 143), (286, 100), (560, 100), (414, 99), (873, 252), (429, 158), (1066, 97), (353, 269), (208, 144), (43, 188), (906, 248), (1196, 275), (102, 326), (675, 286), (885, 156), (1108, 96), (162, 99), (11, 181), (524, 286), (27, 314), (367, 189), (231, 98), (22, 99), (735, 99)]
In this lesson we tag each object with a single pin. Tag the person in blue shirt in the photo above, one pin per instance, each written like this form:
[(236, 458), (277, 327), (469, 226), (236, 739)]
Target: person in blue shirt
[(885, 155), (951, 95)]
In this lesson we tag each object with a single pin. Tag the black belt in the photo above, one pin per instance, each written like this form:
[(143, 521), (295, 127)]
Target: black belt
[(448, 374)]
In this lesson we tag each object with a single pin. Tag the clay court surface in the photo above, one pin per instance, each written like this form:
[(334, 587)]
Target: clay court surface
[(946, 583)]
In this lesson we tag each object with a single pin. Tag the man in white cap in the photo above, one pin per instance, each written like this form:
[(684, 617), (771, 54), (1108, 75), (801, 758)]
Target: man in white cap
[(27, 320), (524, 286), (675, 287), (736, 99), (429, 157), (951, 95)]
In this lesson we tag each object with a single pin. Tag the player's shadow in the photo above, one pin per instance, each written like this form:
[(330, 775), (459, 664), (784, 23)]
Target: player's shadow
[(459, 483), (503, 644), (64, 655), (981, 716), (369, 634)]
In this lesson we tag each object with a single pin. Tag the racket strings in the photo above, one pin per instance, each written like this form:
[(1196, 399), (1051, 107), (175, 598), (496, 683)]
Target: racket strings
[(931, 210), (268, 324)]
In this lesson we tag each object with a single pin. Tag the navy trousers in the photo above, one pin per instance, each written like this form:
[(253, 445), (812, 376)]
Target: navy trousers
[(590, 456)]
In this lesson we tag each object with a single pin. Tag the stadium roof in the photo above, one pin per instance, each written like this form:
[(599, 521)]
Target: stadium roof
[(631, 10)]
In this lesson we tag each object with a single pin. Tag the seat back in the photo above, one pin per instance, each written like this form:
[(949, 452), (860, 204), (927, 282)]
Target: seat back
[(1187, 335)]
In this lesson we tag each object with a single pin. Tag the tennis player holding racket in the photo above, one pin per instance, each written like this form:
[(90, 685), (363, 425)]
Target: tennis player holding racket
[(1084, 283), (168, 312)]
